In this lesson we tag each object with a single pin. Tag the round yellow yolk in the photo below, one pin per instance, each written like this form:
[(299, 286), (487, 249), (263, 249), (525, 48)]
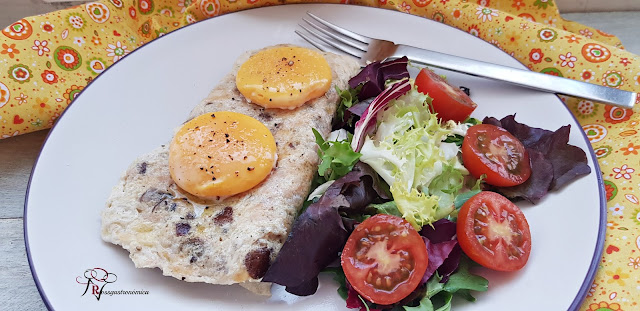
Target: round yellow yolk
[(221, 154), (284, 77)]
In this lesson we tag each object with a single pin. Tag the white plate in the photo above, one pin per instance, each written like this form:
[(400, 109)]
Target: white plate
[(133, 107)]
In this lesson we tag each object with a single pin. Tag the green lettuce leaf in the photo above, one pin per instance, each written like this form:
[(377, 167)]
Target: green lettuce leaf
[(348, 97), (460, 283), (408, 150), (339, 277), (336, 157), (388, 208)]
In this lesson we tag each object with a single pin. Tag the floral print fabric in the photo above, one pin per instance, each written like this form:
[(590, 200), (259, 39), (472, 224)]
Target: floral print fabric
[(47, 60)]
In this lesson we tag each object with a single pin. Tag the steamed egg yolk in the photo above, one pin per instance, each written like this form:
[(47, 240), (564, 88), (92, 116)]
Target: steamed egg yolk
[(221, 154), (284, 77)]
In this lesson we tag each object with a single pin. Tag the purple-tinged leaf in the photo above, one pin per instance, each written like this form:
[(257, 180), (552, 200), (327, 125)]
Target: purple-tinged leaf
[(438, 253), (569, 162), (319, 234), (442, 247), (373, 76), (358, 109), (440, 231), (367, 122), (560, 163), (351, 115), (355, 301), (538, 184), (450, 265), (527, 135)]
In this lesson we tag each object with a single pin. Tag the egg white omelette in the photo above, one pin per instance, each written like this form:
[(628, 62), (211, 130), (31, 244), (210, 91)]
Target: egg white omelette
[(223, 222)]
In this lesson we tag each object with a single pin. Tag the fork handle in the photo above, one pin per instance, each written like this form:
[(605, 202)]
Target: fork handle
[(525, 78)]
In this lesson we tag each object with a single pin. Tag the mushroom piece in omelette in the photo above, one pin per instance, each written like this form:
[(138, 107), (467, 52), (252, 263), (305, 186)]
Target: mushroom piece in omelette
[(217, 203)]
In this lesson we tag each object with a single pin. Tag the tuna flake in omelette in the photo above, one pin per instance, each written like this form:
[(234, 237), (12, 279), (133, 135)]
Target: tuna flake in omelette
[(234, 239)]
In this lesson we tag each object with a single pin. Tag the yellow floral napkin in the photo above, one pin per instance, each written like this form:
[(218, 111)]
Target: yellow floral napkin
[(46, 61)]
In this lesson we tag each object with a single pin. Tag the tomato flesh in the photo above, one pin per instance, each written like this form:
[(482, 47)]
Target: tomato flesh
[(494, 232), (492, 151), (449, 103), (384, 259)]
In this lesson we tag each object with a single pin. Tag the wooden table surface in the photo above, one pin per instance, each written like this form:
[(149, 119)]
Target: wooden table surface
[(18, 154)]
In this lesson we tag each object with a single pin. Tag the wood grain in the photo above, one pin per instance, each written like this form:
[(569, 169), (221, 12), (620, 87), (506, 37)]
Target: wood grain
[(567, 6), (13, 10), (17, 288), (17, 156)]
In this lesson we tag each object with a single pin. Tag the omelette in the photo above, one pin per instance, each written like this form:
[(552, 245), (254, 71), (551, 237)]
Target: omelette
[(228, 226)]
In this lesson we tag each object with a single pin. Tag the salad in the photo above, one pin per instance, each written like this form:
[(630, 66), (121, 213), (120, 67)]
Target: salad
[(412, 192)]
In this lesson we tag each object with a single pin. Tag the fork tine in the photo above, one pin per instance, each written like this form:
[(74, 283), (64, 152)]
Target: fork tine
[(353, 43), (341, 30), (342, 47), (313, 42)]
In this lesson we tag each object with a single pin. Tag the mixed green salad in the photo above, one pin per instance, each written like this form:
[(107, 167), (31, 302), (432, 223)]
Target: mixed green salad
[(411, 192)]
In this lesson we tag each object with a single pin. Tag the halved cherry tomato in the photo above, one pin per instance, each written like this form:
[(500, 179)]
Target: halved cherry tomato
[(384, 259), (449, 102), (493, 232), (491, 150)]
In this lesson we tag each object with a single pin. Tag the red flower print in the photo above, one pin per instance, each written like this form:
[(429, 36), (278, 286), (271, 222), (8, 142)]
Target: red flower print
[(68, 58), (609, 191), (49, 77), (600, 152), (623, 171), (625, 61), (586, 32), (21, 73), (587, 75), (407, 8), (552, 73), (145, 6), (616, 114), (46, 27), (536, 56), (517, 4), (132, 12), (473, 30), (484, 2), (567, 60)]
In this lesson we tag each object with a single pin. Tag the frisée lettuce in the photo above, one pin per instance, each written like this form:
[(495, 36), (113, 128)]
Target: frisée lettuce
[(408, 150)]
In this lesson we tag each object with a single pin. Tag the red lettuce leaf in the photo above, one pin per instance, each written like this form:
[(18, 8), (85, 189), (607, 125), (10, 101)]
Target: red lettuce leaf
[(438, 253), (440, 231), (351, 115), (357, 110), (368, 120), (450, 265), (538, 184), (373, 76), (554, 162), (319, 234), (442, 247)]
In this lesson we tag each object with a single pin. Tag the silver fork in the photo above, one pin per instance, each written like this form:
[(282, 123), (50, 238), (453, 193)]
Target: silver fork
[(368, 49)]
